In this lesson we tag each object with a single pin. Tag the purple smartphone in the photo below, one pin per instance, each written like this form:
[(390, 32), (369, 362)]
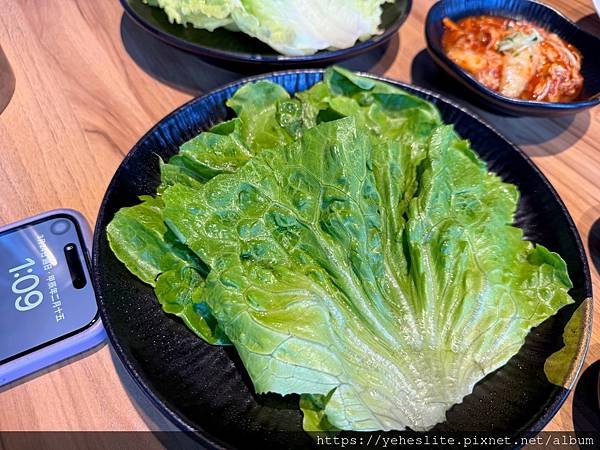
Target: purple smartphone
[(48, 310)]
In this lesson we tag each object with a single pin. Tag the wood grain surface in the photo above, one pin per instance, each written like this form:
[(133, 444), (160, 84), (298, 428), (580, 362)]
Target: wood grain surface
[(90, 83)]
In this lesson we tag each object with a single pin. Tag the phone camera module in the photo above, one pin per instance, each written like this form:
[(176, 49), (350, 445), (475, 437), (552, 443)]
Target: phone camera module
[(60, 226), (75, 266)]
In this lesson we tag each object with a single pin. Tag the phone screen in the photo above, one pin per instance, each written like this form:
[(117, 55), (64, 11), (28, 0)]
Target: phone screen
[(45, 288)]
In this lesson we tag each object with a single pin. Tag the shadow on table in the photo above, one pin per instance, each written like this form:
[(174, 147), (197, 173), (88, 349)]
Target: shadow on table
[(155, 420), (170, 65), (594, 244), (590, 23), (7, 81), (189, 73), (528, 131), (586, 403), (52, 368), (165, 431)]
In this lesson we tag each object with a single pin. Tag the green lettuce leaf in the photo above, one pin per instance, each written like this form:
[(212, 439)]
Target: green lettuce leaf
[(559, 365), (139, 238), (140, 230), (179, 291), (383, 109), (257, 106), (204, 14), (338, 253), (138, 235)]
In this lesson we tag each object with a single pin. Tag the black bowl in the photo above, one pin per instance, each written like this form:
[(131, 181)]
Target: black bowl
[(534, 12), (206, 390), (222, 46)]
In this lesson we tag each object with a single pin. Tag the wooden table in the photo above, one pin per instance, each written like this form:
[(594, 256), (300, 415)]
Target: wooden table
[(89, 83)]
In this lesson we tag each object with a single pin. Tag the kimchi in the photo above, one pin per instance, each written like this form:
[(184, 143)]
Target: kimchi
[(515, 58)]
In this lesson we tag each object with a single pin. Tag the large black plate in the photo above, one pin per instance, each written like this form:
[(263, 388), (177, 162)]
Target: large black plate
[(222, 46), (205, 389)]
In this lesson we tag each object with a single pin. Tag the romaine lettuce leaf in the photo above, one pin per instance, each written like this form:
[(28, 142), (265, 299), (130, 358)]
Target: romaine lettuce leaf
[(381, 108), (139, 238), (229, 145), (257, 107), (380, 280), (138, 235)]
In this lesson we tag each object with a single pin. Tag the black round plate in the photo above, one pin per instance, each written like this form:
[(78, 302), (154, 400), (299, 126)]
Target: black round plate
[(223, 45), (206, 390)]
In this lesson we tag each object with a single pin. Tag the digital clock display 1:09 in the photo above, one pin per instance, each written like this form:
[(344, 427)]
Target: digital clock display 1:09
[(31, 281), (38, 300)]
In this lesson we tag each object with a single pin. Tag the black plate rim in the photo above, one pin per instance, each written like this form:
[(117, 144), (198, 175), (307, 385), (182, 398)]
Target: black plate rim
[(208, 439), (470, 81), (223, 55)]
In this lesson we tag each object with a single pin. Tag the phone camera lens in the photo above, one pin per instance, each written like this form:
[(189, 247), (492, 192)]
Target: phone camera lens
[(60, 226), (75, 266)]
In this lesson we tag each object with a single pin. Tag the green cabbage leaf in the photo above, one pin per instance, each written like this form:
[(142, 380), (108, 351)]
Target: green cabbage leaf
[(292, 27)]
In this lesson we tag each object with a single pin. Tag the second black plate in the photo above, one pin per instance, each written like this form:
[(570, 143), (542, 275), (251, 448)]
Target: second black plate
[(222, 45)]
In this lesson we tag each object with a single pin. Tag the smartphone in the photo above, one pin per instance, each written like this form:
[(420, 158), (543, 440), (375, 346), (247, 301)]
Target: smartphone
[(48, 310)]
